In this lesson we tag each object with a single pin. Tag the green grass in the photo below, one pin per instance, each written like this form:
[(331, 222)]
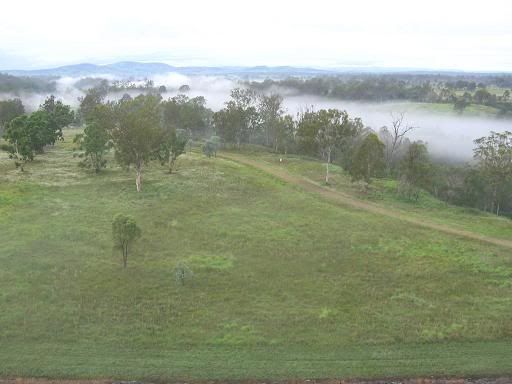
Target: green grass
[(383, 192), (286, 285), (473, 110)]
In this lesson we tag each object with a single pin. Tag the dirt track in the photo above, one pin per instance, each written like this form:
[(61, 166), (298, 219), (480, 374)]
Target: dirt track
[(344, 199)]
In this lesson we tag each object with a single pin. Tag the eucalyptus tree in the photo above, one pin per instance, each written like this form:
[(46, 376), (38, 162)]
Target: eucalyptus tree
[(124, 232), (335, 128), (494, 154), (137, 134), (270, 110), (368, 161), (96, 141)]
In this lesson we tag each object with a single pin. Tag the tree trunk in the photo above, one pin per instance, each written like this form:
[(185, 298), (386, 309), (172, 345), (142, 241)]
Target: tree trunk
[(125, 255), (171, 164), (327, 167), (138, 178)]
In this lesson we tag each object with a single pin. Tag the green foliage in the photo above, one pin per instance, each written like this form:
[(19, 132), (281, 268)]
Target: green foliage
[(59, 116), (238, 122), (124, 232), (16, 84), (172, 146), (415, 171), (460, 105), (27, 136), (187, 114), (270, 112), (92, 98), (9, 109), (494, 154), (369, 159), (137, 134), (211, 146), (326, 132)]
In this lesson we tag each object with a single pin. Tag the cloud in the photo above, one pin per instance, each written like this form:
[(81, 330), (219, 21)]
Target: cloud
[(397, 33)]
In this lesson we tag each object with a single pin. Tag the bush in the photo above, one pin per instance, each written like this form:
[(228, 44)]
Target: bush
[(183, 273)]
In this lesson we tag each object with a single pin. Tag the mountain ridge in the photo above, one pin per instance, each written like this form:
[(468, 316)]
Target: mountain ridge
[(139, 69)]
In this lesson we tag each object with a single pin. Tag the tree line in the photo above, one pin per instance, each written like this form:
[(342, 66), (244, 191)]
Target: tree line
[(148, 128), (425, 88)]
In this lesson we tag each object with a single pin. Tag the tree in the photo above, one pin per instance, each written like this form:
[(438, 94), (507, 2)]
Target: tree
[(10, 109), (191, 115), (137, 134), (334, 129), (172, 147), (307, 130), (393, 138), (494, 153), (124, 232), (59, 116), (26, 136), (482, 96), (210, 148), (92, 98), (95, 142), (415, 170), (284, 133), (237, 122), (460, 105), (270, 111), (506, 96), (369, 159)]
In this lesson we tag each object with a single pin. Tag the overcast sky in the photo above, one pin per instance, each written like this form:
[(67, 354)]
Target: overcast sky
[(447, 34)]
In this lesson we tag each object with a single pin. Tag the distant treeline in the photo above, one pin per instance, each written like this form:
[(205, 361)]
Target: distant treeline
[(17, 84), (461, 92)]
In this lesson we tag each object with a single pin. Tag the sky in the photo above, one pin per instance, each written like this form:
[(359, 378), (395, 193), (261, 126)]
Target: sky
[(449, 35)]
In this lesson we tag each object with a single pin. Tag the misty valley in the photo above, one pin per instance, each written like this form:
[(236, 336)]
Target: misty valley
[(248, 224)]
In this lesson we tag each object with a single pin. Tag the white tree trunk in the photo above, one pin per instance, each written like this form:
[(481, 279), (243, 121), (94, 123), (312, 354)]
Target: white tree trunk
[(138, 178), (327, 167)]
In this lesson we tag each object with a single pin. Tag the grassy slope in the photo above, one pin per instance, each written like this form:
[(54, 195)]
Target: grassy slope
[(286, 285), (383, 192)]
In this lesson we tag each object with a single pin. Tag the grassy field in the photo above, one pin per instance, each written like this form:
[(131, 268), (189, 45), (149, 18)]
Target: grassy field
[(383, 192), (286, 284), (473, 110)]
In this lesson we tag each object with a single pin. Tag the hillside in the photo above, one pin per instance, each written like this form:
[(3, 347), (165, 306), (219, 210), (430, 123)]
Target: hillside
[(286, 283)]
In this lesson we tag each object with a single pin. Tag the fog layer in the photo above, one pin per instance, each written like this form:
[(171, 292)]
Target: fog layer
[(448, 135)]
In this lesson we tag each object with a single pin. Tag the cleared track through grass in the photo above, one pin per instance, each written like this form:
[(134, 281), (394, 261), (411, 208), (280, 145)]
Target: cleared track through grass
[(341, 198)]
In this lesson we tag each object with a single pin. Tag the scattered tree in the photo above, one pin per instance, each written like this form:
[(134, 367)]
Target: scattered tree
[(172, 147), (124, 232), (59, 116), (95, 142), (182, 273), (334, 128), (137, 134)]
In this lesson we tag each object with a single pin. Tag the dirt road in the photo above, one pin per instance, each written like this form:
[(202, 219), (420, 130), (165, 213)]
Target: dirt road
[(343, 199)]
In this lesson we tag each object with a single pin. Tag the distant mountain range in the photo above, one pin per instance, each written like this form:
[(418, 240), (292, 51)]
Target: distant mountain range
[(137, 69), (133, 69)]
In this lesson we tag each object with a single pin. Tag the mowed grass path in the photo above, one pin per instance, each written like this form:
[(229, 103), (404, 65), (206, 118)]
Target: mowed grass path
[(286, 285)]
